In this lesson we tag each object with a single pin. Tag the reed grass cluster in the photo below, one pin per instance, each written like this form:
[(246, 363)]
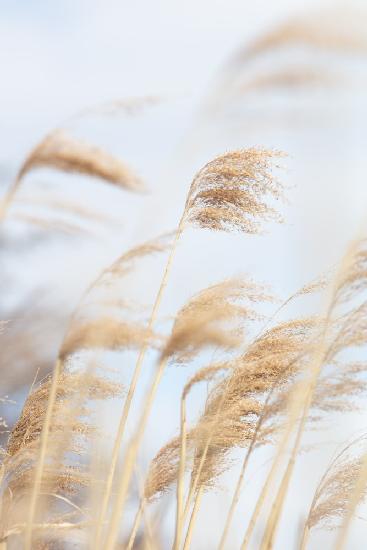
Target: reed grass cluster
[(270, 377), (262, 389)]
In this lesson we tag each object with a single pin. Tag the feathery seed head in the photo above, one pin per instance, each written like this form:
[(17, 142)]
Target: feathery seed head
[(232, 191)]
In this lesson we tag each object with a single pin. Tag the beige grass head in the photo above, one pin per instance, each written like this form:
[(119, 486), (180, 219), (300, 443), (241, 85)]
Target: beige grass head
[(214, 317), (331, 500), (62, 152), (232, 191)]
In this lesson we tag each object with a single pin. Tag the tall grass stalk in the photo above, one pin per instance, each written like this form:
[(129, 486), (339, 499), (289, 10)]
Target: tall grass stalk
[(180, 480), (41, 457), (270, 530), (239, 484), (198, 210), (355, 499), (190, 530), (134, 381), (302, 401), (135, 527), (272, 472), (304, 538), (263, 494), (141, 514), (196, 488), (130, 458), (195, 484)]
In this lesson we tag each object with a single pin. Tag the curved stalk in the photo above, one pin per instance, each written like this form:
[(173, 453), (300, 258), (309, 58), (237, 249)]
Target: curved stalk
[(273, 522), (6, 201), (130, 458), (353, 503), (136, 524), (304, 538), (278, 503), (298, 403), (193, 517), (41, 458), (194, 485), (270, 477), (237, 492), (136, 375), (180, 480), (260, 502)]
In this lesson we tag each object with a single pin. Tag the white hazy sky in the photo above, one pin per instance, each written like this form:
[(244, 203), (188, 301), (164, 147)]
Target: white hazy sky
[(58, 56)]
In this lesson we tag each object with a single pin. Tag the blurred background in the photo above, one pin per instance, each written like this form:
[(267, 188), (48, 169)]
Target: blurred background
[(165, 86)]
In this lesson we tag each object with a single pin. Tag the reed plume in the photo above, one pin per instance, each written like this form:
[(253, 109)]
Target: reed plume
[(23, 344), (232, 192), (296, 48), (52, 225), (273, 358), (279, 352), (201, 323), (291, 78), (232, 409), (49, 213), (215, 317), (308, 29), (344, 328), (330, 503), (236, 180), (55, 398), (107, 333), (63, 152), (65, 470)]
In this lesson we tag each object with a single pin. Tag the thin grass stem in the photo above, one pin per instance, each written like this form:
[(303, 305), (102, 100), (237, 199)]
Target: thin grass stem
[(180, 480), (193, 517), (41, 457), (136, 524), (237, 492), (353, 503), (134, 381), (130, 458)]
